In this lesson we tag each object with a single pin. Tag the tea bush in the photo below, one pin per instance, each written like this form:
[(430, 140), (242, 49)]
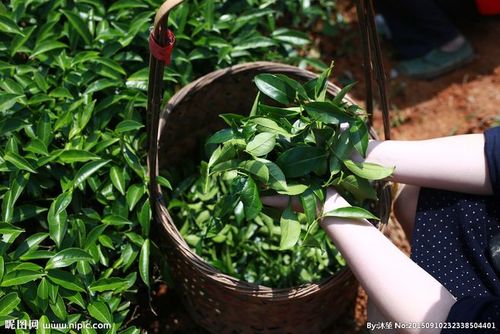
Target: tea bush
[(75, 219)]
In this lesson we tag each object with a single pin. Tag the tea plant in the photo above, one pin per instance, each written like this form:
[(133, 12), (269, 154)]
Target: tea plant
[(75, 218), (298, 146)]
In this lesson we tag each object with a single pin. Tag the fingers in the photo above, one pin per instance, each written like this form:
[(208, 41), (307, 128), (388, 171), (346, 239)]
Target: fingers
[(281, 202), (278, 201), (333, 200)]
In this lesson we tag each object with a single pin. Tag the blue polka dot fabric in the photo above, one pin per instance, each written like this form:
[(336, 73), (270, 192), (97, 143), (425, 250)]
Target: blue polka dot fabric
[(451, 242)]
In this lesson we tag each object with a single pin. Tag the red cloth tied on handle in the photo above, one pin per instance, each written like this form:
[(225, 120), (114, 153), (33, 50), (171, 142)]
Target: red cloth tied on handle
[(162, 53), (488, 7)]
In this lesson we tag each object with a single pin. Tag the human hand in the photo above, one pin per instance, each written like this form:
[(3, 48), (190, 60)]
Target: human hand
[(333, 200)]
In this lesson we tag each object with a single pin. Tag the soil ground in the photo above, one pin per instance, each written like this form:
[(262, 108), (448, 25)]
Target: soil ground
[(464, 101)]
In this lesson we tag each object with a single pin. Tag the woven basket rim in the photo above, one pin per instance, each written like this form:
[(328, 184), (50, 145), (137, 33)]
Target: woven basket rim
[(190, 257)]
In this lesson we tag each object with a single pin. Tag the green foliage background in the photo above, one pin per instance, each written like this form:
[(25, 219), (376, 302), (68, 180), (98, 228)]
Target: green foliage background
[(75, 219)]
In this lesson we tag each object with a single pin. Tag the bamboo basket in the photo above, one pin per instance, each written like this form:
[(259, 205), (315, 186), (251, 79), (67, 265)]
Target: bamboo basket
[(218, 302)]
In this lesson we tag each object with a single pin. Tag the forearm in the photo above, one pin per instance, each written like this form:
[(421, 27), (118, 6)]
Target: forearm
[(454, 163), (401, 290)]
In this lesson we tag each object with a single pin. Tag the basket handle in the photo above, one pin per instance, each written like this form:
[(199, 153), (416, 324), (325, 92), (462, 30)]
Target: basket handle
[(372, 62), (161, 18), (161, 40)]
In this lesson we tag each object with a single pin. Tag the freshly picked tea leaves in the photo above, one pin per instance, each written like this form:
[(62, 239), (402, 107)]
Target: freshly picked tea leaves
[(295, 141)]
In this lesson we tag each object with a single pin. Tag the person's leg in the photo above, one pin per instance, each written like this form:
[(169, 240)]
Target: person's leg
[(459, 9), (417, 26), (405, 208)]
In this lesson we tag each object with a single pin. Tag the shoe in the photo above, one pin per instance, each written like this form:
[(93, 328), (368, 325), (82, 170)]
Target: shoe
[(436, 62)]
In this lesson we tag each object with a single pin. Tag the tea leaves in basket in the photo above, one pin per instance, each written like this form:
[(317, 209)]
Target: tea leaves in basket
[(298, 143)]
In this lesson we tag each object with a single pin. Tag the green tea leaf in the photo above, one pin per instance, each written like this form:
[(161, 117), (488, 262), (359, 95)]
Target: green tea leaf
[(116, 220), (221, 136), (42, 294), (163, 182), (275, 88), (19, 162), (8, 303), (20, 277), (232, 119), (222, 153), (277, 180), (300, 160), (30, 243), (8, 100), (37, 146), (326, 112), (9, 26), (290, 229), (70, 156), (17, 186), (65, 279), (118, 179), (261, 144), (128, 125), (293, 189), (343, 92), (46, 46), (321, 84), (100, 311), (126, 4), (88, 170), (144, 217), (358, 134), (133, 161), (252, 205), (106, 284), (73, 297), (255, 105), (341, 151), (134, 195), (43, 325), (67, 257), (350, 212), (44, 129), (79, 25), (300, 92), (41, 82), (6, 228), (368, 170), (293, 37), (254, 43), (57, 216), (144, 262), (36, 255), (257, 169), (111, 65), (359, 187), (131, 330), (309, 204), (277, 113), (99, 85), (59, 308), (268, 125)]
